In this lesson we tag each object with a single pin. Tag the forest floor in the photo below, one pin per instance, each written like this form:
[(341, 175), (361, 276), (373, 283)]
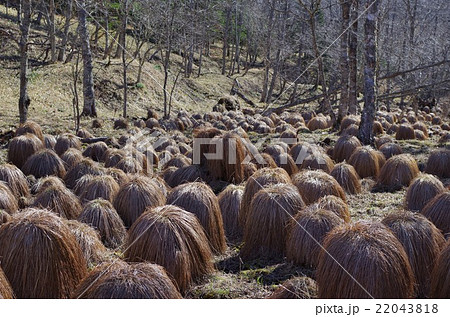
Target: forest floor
[(51, 107)]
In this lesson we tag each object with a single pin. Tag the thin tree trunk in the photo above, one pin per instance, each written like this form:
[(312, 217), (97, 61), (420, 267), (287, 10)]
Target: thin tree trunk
[(106, 21), (68, 16), (52, 33), (24, 99), (353, 61), (267, 62), (124, 59), (343, 105), (225, 38), (88, 79), (368, 115)]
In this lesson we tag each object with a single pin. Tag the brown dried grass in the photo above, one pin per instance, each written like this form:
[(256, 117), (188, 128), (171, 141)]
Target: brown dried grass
[(229, 167), (398, 171), (422, 242), (364, 260), (306, 233), (313, 185), (59, 200), (336, 205), (6, 291), (230, 204), (84, 167), (439, 163), (301, 287), (317, 160), (46, 182), (40, 256), (135, 196), (437, 211), (344, 147), (102, 186), (173, 238), (261, 178), (422, 189), (286, 162), (119, 176), (390, 149), (22, 147), (347, 177), (199, 199), (120, 280), (101, 215), (188, 174), (366, 161), (4, 216), (405, 132), (7, 200), (265, 230), (15, 179), (440, 278), (31, 127), (96, 151), (318, 123), (44, 163), (65, 142), (348, 121), (71, 157)]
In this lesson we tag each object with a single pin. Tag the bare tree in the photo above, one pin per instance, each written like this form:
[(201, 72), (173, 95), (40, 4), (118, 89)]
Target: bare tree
[(24, 99), (368, 114), (353, 59), (343, 105), (65, 35), (52, 31), (89, 108)]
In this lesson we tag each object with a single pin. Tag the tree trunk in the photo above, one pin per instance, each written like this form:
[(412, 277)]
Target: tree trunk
[(106, 21), (88, 79), (267, 62), (368, 114), (344, 65), (124, 59), (24, 99), (225, 38), (353, 61), (51, 31), (68, 16)]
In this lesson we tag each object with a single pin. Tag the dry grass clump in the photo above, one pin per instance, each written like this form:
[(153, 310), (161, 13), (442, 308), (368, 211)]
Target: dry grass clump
[(71, 157), (46, 182), (101, 215), (119, 176), (301, 287), (440, 277), (265, 228), (84, 167), (113, 156), (6, 291), (31, 127), (286, 162), (96, 151), (261, 178), (135, 196), (264, 160), (102, 186), (121, 280), (65, 142), (366, 161), (4, 216), (173, 238), (230, 204), (229, 166), (15, 179), (390, 149), (44, 163), (439, 163), (59, 200), (336, 205), (318, 123), (313, 185), (7, 200), (422, 189), (50, 141), (306, 233), (94, 251), (317, 160), (347, 177), (40, 256), (348, 121), (199, 199), (22, 147), (364, 260), (422, 242), (398, 171), (405, 132), (188, 174), (178, 160), (438, 211), (344, 147)]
